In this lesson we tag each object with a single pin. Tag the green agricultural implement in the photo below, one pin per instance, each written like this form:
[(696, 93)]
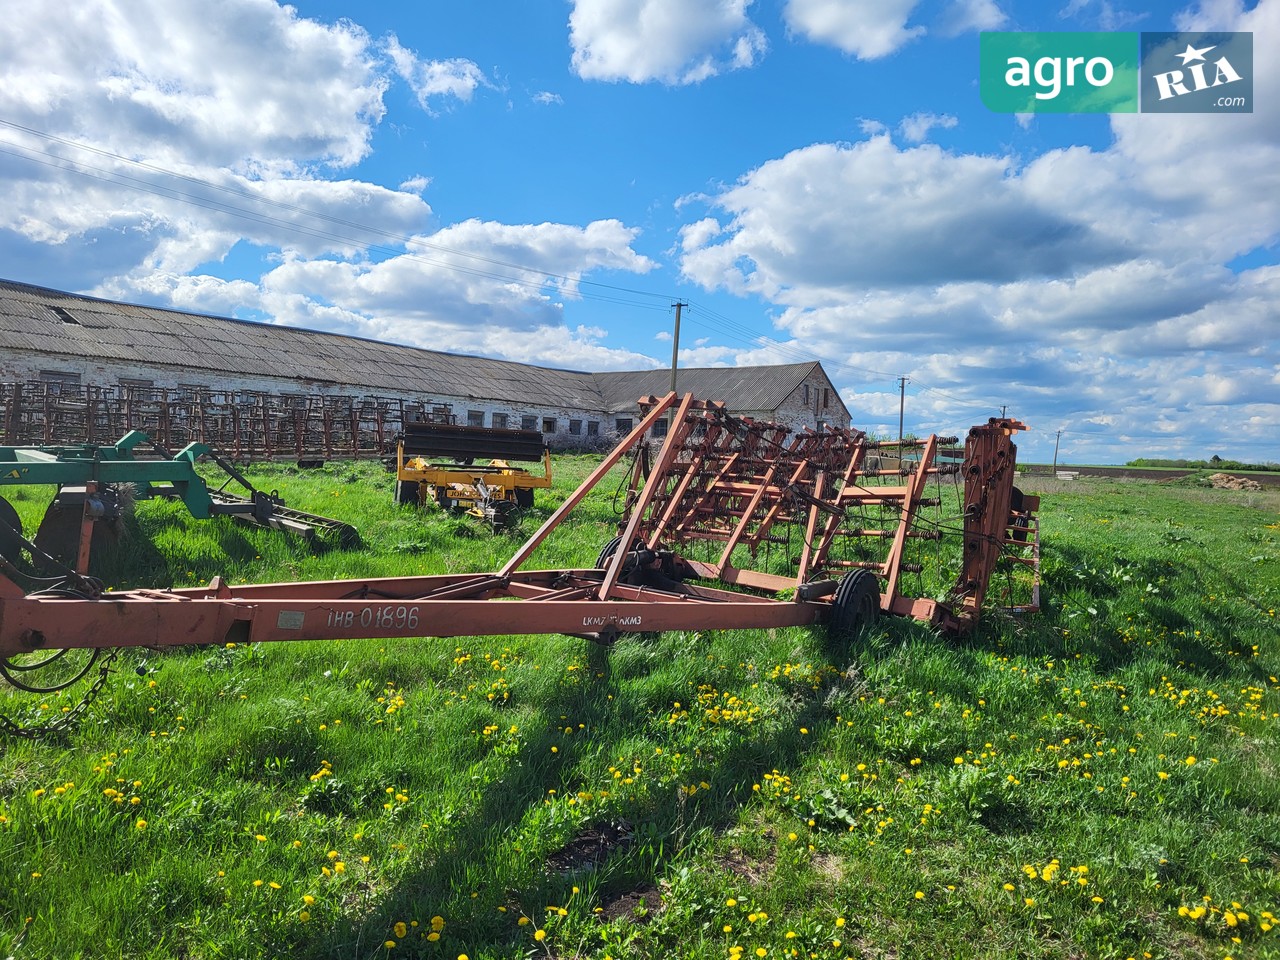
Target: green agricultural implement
[(97, 484)]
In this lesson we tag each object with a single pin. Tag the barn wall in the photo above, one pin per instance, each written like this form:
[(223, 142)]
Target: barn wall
[(797, 411)]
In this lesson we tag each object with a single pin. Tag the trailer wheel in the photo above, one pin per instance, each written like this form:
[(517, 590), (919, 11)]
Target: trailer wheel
[(406, 492), (602, 561), (1021, 527), (524, 498), (607, 552), (855, 606), (10, 524)]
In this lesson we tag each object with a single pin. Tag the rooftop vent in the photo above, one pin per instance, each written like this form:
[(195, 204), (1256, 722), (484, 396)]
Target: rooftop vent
[(65, 317)]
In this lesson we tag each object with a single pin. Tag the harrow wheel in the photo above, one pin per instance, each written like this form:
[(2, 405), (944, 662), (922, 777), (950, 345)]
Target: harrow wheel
[(855, 606), (10, 524), (407, 492)]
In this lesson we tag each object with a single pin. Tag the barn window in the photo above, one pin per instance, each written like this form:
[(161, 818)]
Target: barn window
[(61, 381), (549, 425), (575, 427), (529, 423), (593, 428), (826, 397), (475, 418), (500, 421), (622, 424)]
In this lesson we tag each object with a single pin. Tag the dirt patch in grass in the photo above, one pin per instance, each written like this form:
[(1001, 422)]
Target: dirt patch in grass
[(591, 847), (637, 905), (751, 869), (831, 867)]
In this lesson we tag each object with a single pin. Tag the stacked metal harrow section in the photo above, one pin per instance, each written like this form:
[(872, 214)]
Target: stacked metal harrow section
[(822, 504), (243, 425)]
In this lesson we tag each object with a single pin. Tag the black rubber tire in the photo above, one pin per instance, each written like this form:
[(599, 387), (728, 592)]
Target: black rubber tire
[(10, 549), (406, 492), (607, 552), (1021, 528), (602, 561), (524, 498), (855, 605)]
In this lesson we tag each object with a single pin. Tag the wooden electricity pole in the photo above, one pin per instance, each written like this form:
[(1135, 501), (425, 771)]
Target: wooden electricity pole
[(902, 404), (675, 356), (675, 344)]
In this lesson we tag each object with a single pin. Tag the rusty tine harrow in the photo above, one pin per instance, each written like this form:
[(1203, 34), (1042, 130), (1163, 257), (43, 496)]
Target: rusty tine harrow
[(729, 524)]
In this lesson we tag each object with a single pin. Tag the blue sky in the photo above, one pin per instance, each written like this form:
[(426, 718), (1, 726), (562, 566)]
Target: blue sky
[(540, 181)]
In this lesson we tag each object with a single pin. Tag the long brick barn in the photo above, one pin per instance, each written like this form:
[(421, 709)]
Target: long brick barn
[(55, 344)]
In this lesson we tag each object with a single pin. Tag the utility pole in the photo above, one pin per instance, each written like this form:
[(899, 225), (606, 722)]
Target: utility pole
[(675, 355), (1003, 408), (675, 344), (902, 404), (1055, 453)]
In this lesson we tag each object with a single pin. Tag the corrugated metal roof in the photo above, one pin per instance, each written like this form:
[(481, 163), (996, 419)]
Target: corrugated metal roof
[(53, 322), (204, 344), (742, 388)]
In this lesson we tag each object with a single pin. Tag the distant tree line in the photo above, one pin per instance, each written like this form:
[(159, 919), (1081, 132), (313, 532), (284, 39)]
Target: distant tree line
[(1213, 463)]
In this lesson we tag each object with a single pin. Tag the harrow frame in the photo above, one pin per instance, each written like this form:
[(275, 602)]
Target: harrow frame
[(714, 478)]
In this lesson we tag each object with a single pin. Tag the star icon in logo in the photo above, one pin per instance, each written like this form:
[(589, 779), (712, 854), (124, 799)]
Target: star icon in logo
[(1191, 53)]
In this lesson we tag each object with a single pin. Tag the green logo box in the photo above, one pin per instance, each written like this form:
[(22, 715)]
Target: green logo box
[(1059, 72)]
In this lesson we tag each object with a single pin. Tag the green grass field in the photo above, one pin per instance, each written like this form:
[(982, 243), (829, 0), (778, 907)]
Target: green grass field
[(1099, 780)]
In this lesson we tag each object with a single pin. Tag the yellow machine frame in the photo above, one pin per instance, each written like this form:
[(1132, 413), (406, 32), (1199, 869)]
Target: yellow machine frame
[(490, 491)]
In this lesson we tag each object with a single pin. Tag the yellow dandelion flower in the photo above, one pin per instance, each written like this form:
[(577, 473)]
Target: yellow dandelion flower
[(304, 915), (401, 929), (539, 935)]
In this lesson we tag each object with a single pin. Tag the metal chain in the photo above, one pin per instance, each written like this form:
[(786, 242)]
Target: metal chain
[(67, 720)]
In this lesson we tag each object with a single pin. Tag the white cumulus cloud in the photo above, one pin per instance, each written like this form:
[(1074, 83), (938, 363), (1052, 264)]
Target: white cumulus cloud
[(429, 79), (671, 41), (868, 29), (916, 127)]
